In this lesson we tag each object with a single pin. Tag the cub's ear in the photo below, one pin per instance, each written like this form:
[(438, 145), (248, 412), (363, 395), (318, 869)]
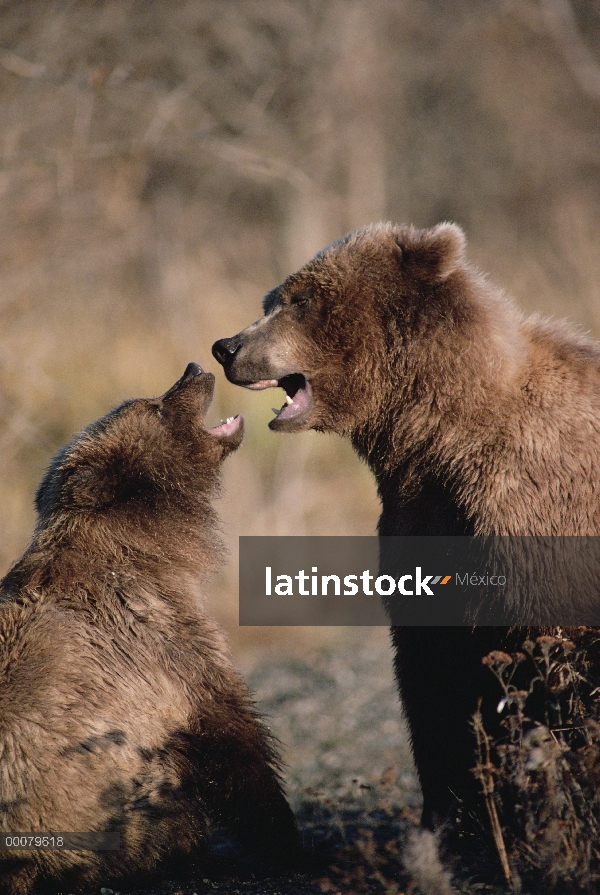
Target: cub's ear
[(79, 481), (436, 253), (105, 483)]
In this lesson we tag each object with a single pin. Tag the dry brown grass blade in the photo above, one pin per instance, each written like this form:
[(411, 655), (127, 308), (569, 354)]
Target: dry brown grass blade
[(484, 773)]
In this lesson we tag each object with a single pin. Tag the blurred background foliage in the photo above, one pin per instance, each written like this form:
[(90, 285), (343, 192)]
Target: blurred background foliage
[(164, 164)]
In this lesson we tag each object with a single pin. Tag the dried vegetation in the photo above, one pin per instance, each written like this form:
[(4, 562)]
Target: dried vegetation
[(542, 778)]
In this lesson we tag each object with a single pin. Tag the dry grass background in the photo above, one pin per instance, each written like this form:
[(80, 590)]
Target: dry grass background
[(162, 165)]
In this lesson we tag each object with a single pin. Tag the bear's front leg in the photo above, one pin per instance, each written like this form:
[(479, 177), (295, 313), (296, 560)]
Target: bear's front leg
[(441, 680)]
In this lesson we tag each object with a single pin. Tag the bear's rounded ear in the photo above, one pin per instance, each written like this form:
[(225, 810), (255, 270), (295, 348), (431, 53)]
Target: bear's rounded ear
[(448, 243), (91, 487), (437, 252), (72, 489), (85, 486)]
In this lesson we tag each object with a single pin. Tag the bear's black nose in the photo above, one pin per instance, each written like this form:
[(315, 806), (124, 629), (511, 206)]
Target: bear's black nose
[(191, 370), (224, 349)]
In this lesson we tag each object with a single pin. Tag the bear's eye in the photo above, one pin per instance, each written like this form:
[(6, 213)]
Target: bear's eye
[(299, 300)]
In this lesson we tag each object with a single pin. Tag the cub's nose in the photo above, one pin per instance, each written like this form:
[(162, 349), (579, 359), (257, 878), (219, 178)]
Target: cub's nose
[(224, 349)]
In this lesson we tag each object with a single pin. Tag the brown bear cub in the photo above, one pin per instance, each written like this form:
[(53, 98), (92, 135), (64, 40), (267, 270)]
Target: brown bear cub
[(120, 709), (474, 420)]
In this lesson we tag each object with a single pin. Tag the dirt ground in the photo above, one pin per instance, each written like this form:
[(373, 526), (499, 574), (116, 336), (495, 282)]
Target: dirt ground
[(349, 770)]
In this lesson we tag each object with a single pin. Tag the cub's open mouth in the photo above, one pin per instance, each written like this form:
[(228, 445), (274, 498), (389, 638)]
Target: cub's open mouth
[(196, 388), (227, 427), (299, 400)]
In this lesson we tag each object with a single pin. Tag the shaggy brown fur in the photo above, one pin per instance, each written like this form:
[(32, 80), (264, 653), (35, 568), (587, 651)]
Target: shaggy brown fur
[(120, 709), (473, 420)]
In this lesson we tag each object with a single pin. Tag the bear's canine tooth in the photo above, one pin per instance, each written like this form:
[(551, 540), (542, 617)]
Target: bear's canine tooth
[(289, 400)]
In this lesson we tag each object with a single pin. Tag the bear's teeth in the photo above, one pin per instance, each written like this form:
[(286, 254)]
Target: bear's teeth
[(229, 419), (289, 400)]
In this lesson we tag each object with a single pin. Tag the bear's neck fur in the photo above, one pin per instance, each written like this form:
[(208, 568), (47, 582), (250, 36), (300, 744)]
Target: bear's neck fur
[(152, 563), (483, 421)]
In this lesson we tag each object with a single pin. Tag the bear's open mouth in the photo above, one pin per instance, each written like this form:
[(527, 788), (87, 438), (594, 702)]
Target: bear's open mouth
[(298, 399), (227, 427)]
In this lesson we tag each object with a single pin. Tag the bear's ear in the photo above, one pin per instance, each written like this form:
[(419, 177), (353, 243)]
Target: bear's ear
[(437, 252), (70, 489), (100, 485), (449, 244), (85, 477), (118, 476)]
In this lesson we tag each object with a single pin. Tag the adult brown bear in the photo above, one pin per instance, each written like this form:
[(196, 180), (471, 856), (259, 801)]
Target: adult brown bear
[(473, 419), (120, 710)]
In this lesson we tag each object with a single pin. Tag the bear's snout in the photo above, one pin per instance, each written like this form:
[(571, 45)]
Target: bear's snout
[(225, 349), (252, 356)]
